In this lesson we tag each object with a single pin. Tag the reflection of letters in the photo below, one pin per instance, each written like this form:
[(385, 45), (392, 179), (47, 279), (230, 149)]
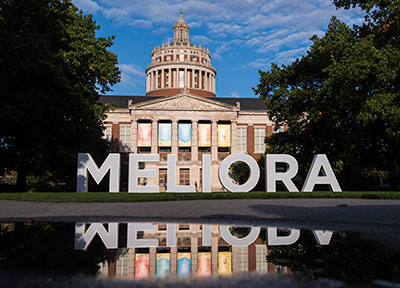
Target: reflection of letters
[(275, 240), (83, 239), (133, 228), (239, 242), (322, 237)]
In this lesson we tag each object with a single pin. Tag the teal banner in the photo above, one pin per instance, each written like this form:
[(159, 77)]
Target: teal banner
[(185, 134)]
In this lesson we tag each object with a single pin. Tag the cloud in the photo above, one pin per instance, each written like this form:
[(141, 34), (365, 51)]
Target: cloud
[(131, 74), (235, 95), (88, 6), (266, 27)]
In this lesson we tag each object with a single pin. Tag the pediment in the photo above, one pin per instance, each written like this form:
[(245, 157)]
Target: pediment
[(183, 102)]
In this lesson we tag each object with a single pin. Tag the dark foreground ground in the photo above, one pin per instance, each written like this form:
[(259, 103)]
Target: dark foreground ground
[(378, 219)]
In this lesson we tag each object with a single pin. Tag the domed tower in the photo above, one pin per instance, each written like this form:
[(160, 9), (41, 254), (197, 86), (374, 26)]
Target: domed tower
[(180, 64)]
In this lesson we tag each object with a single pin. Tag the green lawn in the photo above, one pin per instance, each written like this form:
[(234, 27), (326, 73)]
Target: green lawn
[(133, 197)]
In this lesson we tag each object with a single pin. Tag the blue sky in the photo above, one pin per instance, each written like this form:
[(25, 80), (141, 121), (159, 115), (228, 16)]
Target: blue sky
[(243, 35)]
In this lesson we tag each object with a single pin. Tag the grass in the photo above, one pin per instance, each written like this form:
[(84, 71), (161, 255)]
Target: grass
[(137, 197)]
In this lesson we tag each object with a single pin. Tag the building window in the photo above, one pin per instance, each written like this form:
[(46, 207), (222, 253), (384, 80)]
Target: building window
[(195, 80), (168, 58), (241, 139), (184, 176), (259, 136), (107, 133), (125, 138), (159, 80), (181, 56), (167, 79), (181, 79), (194, 58)]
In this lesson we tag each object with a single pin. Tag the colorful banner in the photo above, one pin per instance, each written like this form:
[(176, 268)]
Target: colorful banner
[(204, 135), (164, 134), (144, 134), (224, 135), (163, 264), (225, 263), (183, 268), (185, 134), (204, 264), (142, 266)]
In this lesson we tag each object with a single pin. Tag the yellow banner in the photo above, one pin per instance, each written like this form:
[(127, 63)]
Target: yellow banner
[(225, 263), (224, 135)]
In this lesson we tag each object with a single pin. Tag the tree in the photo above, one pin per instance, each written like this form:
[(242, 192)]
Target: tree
[(342, 98), (52, 69)]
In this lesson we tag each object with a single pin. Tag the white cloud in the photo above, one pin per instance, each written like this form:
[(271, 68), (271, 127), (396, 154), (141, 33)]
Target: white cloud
[(235, 95), (88, 6), (267, 27), (131, 74)]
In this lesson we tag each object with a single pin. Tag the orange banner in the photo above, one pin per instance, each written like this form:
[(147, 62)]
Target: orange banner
[(204, 135), (144, 134)]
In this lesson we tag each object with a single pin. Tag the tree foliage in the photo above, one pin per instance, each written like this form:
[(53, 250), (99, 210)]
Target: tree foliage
[(342, 98), (52, 69)]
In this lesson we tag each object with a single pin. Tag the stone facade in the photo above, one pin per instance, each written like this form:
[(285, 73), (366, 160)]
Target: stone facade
[(166, 102)]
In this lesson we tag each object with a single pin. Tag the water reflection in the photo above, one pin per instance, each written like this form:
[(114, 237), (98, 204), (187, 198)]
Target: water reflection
[(147, 250)]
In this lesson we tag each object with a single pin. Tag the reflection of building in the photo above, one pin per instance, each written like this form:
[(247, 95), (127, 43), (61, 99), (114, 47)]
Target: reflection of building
[(223, 259), (181, 114)]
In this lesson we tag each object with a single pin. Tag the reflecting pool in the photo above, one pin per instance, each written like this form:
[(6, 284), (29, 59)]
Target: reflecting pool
[(163, 251)]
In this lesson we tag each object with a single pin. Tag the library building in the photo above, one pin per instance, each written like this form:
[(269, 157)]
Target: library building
[(181, 114)]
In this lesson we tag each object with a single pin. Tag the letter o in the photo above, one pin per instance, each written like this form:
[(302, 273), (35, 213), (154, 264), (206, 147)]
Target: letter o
[(240, 242), (253, 178)]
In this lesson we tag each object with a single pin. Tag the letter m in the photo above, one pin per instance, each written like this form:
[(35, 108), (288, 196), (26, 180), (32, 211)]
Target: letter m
[(86, 163)]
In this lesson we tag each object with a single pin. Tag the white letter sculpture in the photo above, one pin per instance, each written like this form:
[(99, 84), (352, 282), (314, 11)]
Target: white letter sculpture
[(320, 161), (86, 163), (171, 176), (135, 173), (224, 173), (286, 177)]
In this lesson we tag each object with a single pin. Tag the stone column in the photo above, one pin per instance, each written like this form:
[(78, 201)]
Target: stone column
[(134, 136), (194, 254), (214, 141), (152, 261), (177, 78), (162, 78), (169, 78), (209, 82), (195, 150), (147, 82), (193, 78), (154, 143), (233, 137), (213, 83), (185, 78), (173, 259), (174, 147), (214, 254)]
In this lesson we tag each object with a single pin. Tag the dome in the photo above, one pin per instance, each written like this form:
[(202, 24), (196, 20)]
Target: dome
[(181, 23)]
